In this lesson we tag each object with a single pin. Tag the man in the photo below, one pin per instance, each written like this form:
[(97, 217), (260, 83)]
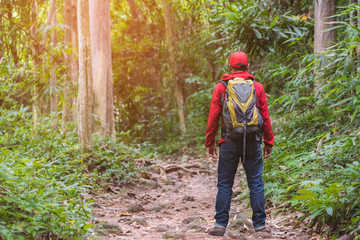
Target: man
[(231, 151)]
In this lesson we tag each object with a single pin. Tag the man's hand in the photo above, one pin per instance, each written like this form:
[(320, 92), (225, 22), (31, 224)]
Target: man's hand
[(267, 151), (211, 151)]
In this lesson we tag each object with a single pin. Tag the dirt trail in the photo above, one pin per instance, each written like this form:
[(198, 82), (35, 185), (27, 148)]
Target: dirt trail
[(180, 205)]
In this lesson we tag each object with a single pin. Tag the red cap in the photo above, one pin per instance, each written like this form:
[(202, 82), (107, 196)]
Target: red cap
[(237, 59)]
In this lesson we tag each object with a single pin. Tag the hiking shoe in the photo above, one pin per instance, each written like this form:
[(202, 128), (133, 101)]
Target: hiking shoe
[(265, 229), (216, 231)]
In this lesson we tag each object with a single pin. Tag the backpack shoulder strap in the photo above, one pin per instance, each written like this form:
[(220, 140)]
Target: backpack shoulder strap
[(224, 82), (223, 95)]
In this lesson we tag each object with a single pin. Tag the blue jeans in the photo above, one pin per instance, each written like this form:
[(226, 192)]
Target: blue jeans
[(229, 155)]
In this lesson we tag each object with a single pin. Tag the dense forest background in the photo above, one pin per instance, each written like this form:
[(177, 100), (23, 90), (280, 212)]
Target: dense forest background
[(88, 86)]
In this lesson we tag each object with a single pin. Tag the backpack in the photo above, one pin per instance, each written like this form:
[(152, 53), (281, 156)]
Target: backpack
[(240, 112)]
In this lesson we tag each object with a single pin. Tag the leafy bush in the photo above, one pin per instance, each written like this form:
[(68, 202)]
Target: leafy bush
[(45, 180), (316, 159)]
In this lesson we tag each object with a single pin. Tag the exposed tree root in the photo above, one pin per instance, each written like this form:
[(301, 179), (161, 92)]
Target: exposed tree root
[(185, 167), (192, 168)]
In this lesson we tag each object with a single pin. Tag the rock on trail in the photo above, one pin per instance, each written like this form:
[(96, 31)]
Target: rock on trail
[(173, 201)]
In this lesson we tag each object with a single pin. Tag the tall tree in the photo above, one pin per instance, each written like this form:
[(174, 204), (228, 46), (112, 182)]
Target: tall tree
[(133, 10), (70, 39), (12, 45), (353, 13), (136, 25), (323, 38), (36, 60), (358, 14), (101, 66), (85, 99), (52, 21), (171, 45)]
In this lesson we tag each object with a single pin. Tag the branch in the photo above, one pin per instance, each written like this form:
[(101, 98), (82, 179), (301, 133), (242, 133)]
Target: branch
[(42, 46)]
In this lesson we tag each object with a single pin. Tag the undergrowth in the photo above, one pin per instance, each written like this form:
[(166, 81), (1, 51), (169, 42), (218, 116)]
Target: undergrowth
[(45, 180), (315, 164)]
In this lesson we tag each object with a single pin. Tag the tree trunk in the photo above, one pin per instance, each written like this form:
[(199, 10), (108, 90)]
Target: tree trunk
[(133, 10), (70, 39), (53, 78), (353, 13), (135, 27), (75, 63), (171, 45), (322, 38), (85, 77), (37, 62), (101, 66), (358, 25), (358, 14), (12, 46)]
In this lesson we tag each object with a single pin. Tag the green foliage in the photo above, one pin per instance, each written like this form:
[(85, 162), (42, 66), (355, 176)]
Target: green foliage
[(252, 26), (255, 29), (327, 195), (146, 105), (45, 180), (274, 38), (333, 203), (317, 152), (197, 109)]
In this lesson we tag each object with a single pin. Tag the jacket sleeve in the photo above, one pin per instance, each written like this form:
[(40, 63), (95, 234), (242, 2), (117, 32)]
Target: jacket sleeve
[(214, 115), (263, 107)]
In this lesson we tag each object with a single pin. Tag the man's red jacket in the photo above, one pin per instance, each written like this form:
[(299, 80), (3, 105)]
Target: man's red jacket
[(216, 109)]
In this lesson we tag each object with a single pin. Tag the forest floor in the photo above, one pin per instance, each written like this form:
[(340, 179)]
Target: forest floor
[(175, 199)]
